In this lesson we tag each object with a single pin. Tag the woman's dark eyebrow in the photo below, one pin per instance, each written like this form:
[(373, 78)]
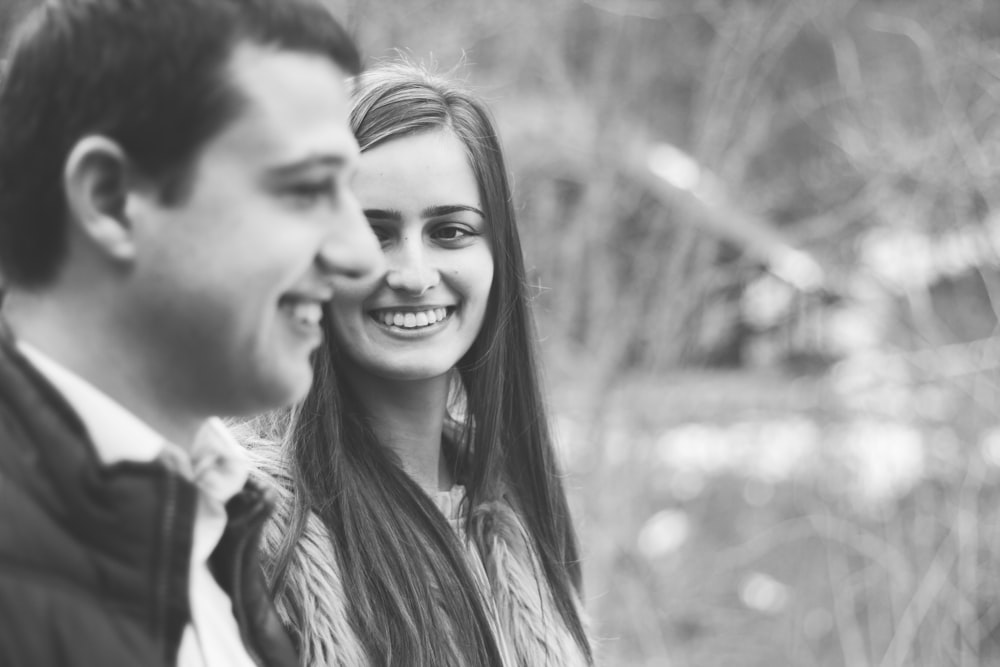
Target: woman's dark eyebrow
[(438, 211)]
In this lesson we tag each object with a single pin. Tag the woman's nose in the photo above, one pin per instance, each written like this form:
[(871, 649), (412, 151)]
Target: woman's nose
[(409, 270)]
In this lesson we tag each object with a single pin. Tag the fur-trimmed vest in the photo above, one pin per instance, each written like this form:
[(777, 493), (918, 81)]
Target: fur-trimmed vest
[(313, 607)]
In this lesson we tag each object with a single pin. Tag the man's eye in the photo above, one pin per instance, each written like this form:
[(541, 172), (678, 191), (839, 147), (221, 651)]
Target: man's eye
[(305, 195)]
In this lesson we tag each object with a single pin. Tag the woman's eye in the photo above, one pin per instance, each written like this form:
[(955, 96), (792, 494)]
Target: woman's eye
[(453, 233)]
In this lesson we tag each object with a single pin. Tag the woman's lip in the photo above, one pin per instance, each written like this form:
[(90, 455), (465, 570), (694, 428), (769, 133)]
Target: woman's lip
[(410, 308), (377, 313)]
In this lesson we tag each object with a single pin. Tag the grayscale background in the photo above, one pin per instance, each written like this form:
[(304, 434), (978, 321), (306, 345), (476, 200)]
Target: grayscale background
[(764, 239)]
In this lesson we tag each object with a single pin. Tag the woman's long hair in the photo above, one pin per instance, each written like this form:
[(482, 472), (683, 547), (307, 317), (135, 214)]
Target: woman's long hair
[(412, 597)]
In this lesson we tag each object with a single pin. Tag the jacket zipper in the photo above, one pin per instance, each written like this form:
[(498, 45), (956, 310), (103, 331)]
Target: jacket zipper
[(166, 537)]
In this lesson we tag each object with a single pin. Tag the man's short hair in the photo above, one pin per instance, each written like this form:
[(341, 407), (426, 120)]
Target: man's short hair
[(148, 74)]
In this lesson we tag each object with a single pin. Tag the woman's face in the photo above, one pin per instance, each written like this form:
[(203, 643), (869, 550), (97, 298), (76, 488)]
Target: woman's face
[(422, 201)]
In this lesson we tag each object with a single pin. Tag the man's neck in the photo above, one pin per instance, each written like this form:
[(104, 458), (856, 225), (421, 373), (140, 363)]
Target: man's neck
[(77, 344)]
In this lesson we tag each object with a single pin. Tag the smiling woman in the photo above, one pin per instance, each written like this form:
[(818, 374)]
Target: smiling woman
[(422, 201), (423, 520)]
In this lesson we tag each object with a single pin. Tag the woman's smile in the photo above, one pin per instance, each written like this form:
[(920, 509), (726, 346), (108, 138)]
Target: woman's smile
[(412, 323), (410, 318)]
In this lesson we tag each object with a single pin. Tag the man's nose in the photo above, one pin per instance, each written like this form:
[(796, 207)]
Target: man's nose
[(351, 252)]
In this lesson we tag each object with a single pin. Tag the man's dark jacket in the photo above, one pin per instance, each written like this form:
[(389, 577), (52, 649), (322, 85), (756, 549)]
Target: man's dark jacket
[(94, 560)]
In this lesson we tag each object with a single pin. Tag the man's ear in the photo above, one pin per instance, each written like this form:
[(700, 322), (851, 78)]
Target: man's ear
[(97, 179)]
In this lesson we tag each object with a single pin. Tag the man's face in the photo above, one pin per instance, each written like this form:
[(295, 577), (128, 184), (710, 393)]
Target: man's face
[(228, 284)]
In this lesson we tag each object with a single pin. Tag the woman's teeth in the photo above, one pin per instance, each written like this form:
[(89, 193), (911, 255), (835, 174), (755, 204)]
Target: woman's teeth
[(411, 320)]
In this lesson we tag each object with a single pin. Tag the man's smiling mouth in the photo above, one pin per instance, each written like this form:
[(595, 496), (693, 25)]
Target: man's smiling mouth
[(303, 310)]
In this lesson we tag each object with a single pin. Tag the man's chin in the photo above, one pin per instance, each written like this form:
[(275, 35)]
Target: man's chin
[(277, 392)]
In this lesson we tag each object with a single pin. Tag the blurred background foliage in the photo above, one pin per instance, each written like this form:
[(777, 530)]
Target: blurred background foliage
[(764, 238)]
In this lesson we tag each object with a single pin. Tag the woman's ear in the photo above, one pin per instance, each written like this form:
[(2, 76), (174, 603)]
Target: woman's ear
[(96, 180)]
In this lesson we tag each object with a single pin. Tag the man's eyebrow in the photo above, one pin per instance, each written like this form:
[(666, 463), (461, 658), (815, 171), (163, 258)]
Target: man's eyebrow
[(311, 162), (438, 211), (383, 214)]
